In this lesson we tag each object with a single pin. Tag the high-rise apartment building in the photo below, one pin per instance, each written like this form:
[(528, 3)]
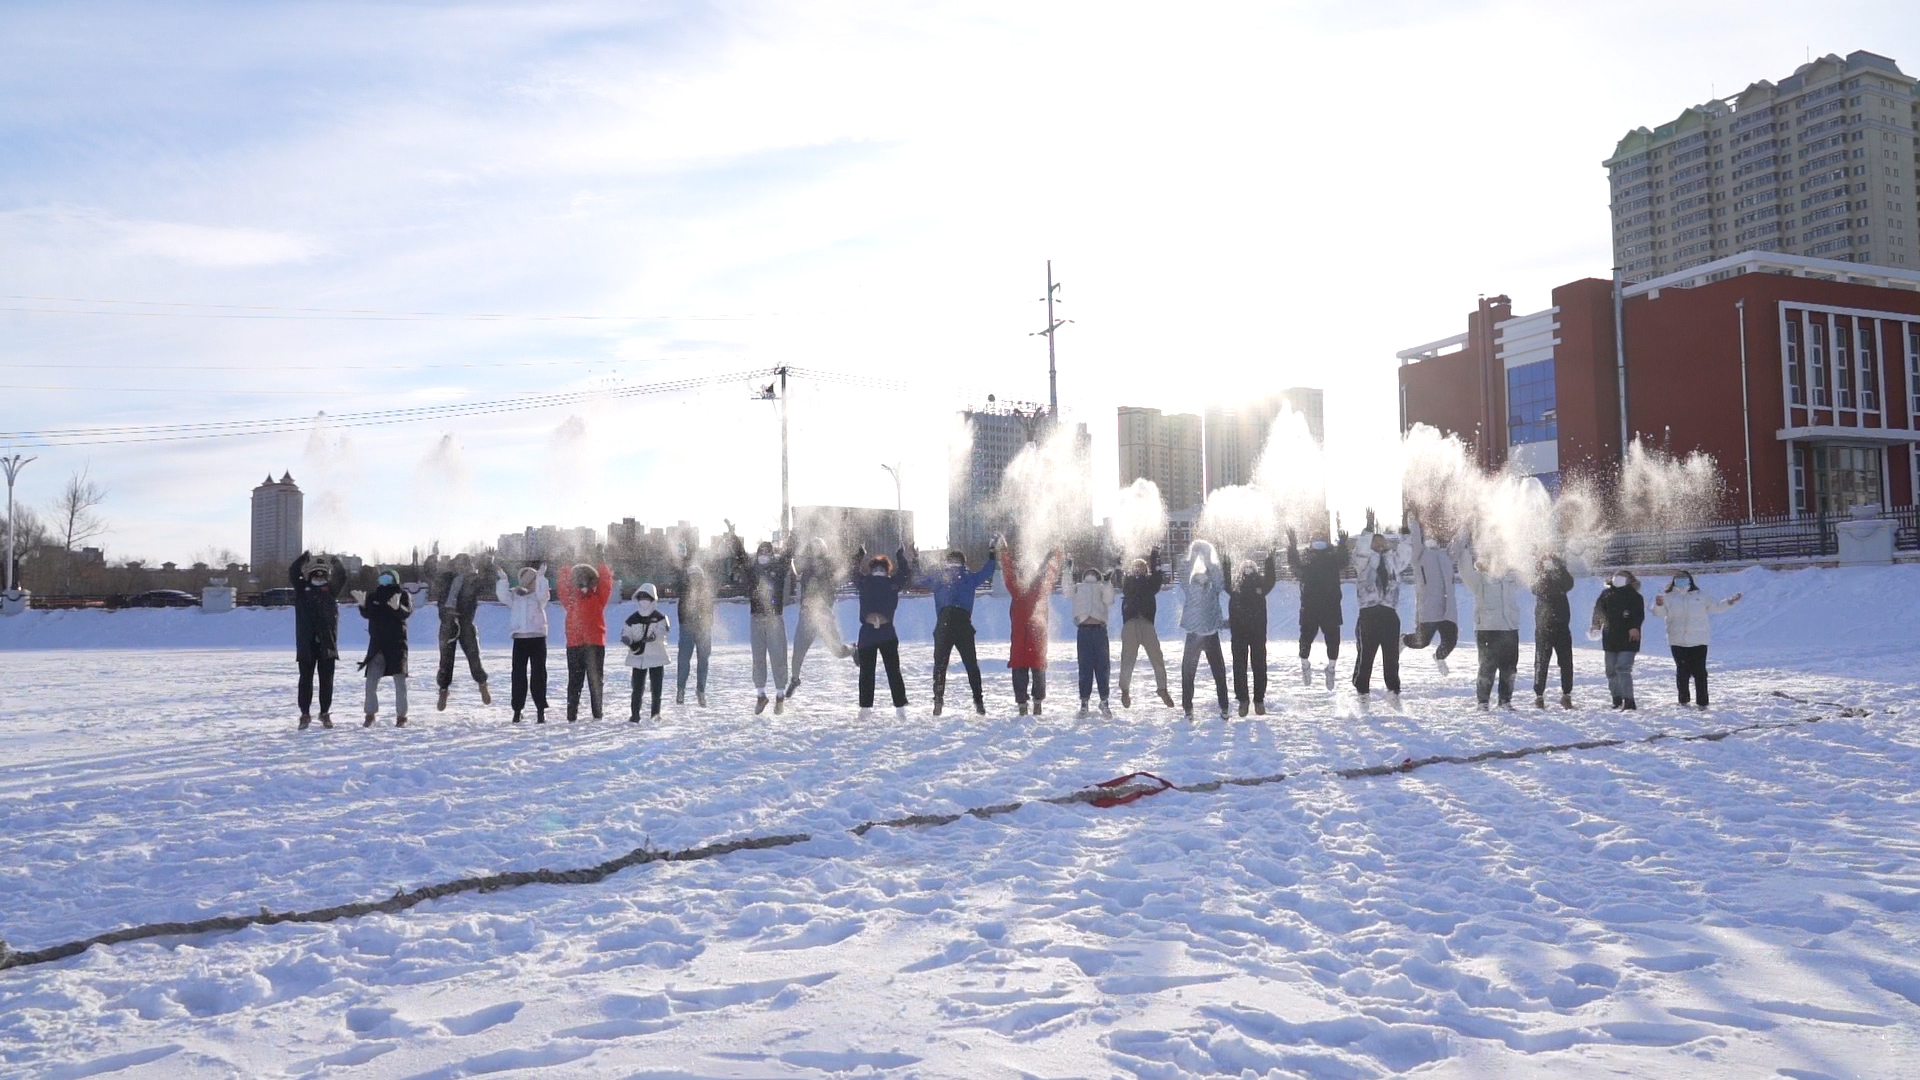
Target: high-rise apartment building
[(1166, 448), (278, 510), (1821, 164), (1235, 437), (996, 433)]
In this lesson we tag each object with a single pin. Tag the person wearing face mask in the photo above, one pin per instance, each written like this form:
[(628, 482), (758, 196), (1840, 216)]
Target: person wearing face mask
[(767, 574), (317, 588), (1200, 618), (1247, 622), (954, 589), (819, 571), (1092, 602), (527, 623), (1318, 571), (1436, 611), (1686, 610), (584, 592), (1496, 621), (1027, 611), (1139, 605), (1617, 617), (458, 589), (1552, 628), (879, 590), (386, 611), (695, 609), (1377, 564), (645, 636)]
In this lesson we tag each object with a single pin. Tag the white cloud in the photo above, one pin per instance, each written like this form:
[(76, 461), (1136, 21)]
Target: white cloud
[(216, 247)]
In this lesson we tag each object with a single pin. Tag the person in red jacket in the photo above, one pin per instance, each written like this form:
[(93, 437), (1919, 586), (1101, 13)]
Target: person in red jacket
[(583, 592), (1027, 655)]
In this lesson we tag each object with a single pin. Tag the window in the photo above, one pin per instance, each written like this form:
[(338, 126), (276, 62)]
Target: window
[(1801, 504), (1869, 367), (1843, 364), (1846, 477), (1817, 361), (1913, 372), (1531, 401), (1796, 382)]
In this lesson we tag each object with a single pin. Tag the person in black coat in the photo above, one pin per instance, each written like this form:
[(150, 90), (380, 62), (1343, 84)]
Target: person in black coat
[(1617, 617), (386, 610), (1247, 622), (1139, 606), (317, 587), (1318, 572), (879, 589), (1552, 628), (695, 608)]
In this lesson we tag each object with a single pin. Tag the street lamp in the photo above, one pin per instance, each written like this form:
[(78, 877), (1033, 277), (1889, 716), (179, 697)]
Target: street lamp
[(899, 506), (12, 465)]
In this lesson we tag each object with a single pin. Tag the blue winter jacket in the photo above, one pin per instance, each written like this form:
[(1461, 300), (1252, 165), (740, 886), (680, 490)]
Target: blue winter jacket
[(954, 587), (879, 598)]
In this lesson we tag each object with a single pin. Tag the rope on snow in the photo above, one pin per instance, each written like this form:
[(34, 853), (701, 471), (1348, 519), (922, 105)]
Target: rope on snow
[(1116, 792)]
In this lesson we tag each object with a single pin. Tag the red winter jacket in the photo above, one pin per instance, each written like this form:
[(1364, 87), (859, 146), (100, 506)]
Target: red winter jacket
[(1029, 610), (586, 611)]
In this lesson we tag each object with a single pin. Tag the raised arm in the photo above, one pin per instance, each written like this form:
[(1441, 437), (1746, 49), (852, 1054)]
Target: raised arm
[(541, 590), (604, 589), (1415, 534), (297, 569), (501, 590)]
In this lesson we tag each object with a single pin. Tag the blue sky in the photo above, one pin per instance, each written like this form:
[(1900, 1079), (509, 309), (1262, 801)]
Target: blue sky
[(1237, 199)]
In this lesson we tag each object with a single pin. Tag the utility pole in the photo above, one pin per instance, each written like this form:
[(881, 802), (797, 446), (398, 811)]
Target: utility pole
[(12, 465), (1053, 373), (777, 393), (899, 505)]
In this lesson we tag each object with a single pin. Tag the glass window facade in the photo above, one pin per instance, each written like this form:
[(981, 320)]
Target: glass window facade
[(1531, 404), (1846, 477)]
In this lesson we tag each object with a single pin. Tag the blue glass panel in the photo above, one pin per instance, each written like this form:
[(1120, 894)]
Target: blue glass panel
[(1531, 404)]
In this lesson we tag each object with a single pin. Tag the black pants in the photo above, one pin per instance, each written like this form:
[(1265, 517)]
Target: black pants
[(1690, 662), (585, 664), (1024, 675), (1377, 631), (890, 652), (954, 630), (1446, 629), (324, 665), (529, 667), (1250, 651), (1499, 659), (1328, 628), (642, 678), (1549, 645), (456, 632), (697, 649), (1190, 667)]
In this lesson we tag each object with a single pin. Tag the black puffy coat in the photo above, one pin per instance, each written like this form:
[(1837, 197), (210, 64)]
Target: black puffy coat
[(1319, 575), (1619, 609), (316, 610), (1140, 593), (1247, 603), (387, 627), (1551, 614)]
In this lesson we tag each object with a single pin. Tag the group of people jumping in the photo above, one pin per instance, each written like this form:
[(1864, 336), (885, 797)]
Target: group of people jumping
[(1378, 561)]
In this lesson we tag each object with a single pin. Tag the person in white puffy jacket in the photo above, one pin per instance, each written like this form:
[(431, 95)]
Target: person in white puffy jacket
[(645, 635), (1435, 609), (1686, 610), (527, 622), (1496, 621), (1378, 562), (1092, 603)]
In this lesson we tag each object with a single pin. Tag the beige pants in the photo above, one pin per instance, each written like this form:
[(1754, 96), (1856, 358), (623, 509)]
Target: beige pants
[(1139, 634)]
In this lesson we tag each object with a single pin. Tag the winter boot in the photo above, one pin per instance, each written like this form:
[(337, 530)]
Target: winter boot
[(1036, 706), (516, 716), (680, 696), (899, 712), (1440, 665), (1630, 706), (779, 704), (1566, 701), (1243, 708), (399, 721), (792, 686), (1393, 700), (573, 711), (1618, 701), (1260, 707), (1328, 672), (369, 722), (1126, 698), (979, 705), (938, 706), (1024, 708), (441, 705), (540, 716), (760, 706), (1106, 711), (1539, 701), (1166, 699), (1306, 672), (1084, 711), (326, 721), (306, 721), (635, 718), (486, 695), (702, 696)]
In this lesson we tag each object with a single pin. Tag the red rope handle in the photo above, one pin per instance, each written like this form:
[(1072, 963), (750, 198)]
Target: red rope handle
[(1122, 781)]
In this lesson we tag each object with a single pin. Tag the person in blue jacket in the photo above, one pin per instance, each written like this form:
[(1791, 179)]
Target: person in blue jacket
[(954, 588), (879, 589)]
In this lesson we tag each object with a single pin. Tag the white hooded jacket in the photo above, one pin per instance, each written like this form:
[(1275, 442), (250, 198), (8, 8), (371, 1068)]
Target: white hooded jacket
[(1496, 597), (1092, 603), (1433, 598), (1686, 613), (645, 636), (526, 611)]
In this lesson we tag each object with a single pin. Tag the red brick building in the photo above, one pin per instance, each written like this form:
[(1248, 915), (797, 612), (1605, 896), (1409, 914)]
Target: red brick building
[(1800, 376)]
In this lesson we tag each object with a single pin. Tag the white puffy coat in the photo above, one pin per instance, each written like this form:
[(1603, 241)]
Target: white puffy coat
[(526, 612), (1686, 614), (650, 637), (1433, 596), (1366, 570), (1092, 602), (1496, 597)]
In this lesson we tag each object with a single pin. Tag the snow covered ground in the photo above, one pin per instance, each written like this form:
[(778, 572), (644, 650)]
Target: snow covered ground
[(1746, 907)]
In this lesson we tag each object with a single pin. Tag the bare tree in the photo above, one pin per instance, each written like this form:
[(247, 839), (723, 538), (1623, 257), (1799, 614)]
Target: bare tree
[(74, 521)]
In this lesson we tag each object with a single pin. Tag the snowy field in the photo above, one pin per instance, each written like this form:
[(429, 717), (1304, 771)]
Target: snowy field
[(1748, 907)]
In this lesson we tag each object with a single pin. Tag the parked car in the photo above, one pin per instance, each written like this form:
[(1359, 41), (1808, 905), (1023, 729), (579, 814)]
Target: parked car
[(163, 598), (280, 597)]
